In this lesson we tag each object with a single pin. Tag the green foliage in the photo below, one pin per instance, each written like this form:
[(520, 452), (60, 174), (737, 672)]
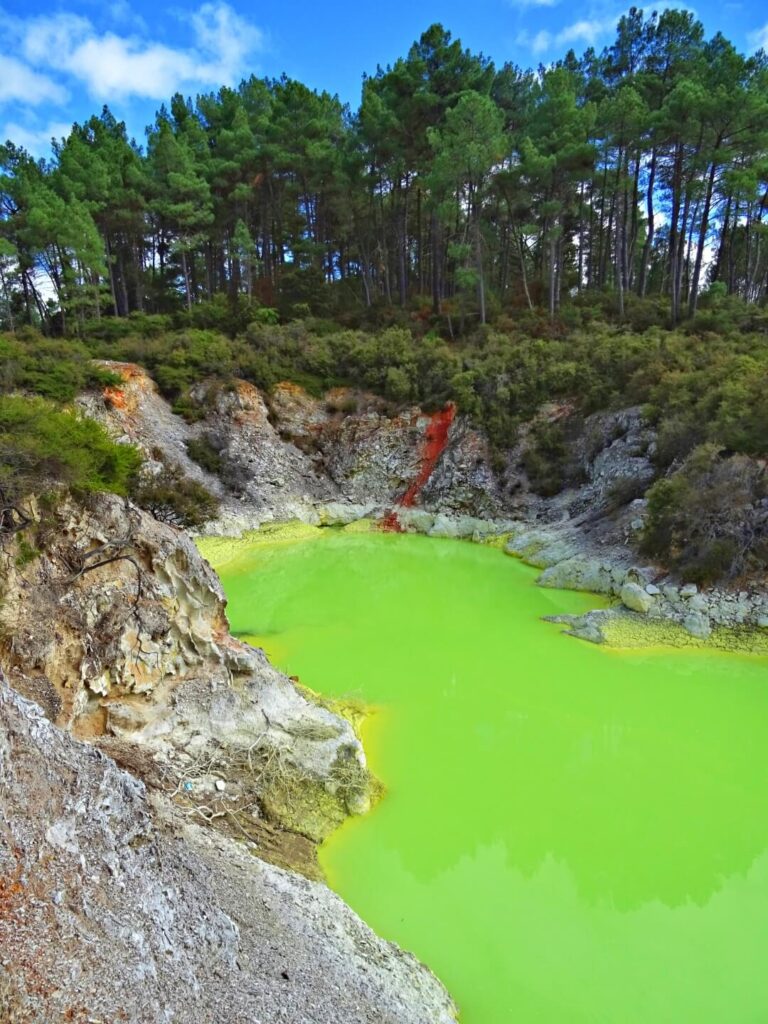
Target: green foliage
[(458, 193), (204, 453), (695, 388), (548, 457), (43, 448), (624, 490), (53, 368), (26, 554), (265, 315), (175, 499)]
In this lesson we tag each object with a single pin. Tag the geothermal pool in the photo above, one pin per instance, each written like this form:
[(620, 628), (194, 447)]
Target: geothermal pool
[(570, 834)]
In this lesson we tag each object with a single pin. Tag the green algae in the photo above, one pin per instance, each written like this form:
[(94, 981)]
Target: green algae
[(570, 833)]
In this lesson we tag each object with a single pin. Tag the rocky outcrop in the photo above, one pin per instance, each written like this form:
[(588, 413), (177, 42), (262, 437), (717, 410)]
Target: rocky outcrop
[(325, 460), (347, 455), (118, 908), (651, 608), (117, 627)]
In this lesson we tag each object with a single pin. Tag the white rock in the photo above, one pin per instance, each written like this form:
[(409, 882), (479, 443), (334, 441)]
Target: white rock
[(697, 625), (634, 597), (689, 590)]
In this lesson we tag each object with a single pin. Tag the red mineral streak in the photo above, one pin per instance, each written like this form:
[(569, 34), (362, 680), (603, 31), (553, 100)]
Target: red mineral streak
[(390, 523), (435, 441)]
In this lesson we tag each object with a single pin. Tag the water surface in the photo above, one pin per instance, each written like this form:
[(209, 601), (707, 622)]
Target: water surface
[(570, 834)]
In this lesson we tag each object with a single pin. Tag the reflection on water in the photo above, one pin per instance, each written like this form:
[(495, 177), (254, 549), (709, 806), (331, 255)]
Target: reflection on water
[(570, 834)]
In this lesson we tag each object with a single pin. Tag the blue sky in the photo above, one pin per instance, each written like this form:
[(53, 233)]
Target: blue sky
[(61, 62)]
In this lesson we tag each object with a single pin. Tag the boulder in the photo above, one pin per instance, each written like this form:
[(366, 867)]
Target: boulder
[(634, 597), (698, 625)]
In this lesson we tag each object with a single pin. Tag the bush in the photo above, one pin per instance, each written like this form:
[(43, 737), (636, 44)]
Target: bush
[(42, 448), (625, 489), (695, 389), (548, 458), (56, 369), (709, 520), (175, 499), (204, 453)]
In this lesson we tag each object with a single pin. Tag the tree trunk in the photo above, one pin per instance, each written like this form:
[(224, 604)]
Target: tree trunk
[(703, 229), (647, 247), (186, 280)]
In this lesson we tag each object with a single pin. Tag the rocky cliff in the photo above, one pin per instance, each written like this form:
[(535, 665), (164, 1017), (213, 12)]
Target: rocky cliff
[(147, 794), (115, 625), (116, 906)]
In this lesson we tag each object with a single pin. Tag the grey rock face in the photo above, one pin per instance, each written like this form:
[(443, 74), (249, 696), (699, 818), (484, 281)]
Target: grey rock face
[(115, 909)]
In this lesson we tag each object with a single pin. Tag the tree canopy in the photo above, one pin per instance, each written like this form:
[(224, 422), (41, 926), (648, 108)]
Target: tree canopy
[(457, 188)]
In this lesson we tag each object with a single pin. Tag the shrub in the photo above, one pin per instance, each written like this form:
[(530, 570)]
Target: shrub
[(175, 499), (708, 520), (548, 458), (43, 448), (625, 489), (204, 453), (56, 369), (345, 404)]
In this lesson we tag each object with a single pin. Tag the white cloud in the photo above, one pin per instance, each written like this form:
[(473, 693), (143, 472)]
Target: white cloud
[(49, 41), (121, 12), (114, 66), (541, 42), (586, 31), (533, 3), (20, 84), (758, 39), (227, 39), (36, 140)]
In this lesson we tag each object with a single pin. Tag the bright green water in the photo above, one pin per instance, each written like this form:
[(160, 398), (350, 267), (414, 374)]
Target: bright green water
[(570, 834)]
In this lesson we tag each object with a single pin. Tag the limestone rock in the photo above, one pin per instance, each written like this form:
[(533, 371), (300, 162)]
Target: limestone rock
[(634, 597), (580, 573)]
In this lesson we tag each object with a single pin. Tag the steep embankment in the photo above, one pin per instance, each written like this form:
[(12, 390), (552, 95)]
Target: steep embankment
[(122, 903), (116, 625), (117, 906)]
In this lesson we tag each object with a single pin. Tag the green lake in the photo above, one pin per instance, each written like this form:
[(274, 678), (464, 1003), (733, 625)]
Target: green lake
[(570, 834)]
